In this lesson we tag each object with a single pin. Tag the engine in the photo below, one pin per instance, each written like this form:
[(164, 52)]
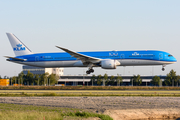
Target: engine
[(109, 64)]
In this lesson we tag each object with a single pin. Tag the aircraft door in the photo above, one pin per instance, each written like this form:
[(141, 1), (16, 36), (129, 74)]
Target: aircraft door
[(121, 59), (37, 58), (160, 55), (122, 56)]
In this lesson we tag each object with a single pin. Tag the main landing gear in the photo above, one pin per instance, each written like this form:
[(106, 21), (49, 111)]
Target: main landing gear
[(163, 67), (90, 71)]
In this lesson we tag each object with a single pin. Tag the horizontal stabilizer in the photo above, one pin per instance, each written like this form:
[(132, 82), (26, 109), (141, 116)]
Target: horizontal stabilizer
[(17, 59)]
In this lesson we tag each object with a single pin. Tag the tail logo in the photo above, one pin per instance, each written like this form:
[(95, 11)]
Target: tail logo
[(19, 48)]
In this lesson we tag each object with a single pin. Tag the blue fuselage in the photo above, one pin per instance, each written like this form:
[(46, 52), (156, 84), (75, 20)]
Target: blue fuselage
[(126, 58)]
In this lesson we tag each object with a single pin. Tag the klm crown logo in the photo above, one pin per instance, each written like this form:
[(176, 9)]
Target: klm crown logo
[(19, 45), (19, 48)]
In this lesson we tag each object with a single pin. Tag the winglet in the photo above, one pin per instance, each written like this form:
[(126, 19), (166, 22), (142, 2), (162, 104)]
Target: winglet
[(61, 48)]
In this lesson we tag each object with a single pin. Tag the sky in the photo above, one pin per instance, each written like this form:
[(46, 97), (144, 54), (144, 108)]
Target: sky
[(92, 25)]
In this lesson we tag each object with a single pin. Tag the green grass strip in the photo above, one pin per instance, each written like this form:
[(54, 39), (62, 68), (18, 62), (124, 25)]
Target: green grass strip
[(23, 94), (30, 112), (88, 88)]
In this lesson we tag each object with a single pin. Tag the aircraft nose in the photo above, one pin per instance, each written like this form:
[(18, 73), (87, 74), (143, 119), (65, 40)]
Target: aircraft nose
[(175, 60)]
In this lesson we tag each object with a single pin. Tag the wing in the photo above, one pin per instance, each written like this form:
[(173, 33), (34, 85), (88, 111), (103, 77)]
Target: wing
[(83, 58), (17, 59)]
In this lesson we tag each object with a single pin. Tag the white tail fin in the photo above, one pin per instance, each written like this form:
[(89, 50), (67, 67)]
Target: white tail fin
[(18, 47)]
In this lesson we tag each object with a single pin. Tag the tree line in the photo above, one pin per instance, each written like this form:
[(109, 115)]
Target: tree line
[(171, 80), (98, 80), (31, 79), (45, 79)]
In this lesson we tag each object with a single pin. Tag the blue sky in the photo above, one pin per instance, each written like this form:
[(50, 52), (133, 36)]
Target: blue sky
[(93, 25)]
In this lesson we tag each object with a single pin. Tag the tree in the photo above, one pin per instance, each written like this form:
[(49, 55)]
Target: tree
[(105, 78), (44, 78), (99, 80), (36, 79), (118, 80), (156, 80), (0, 77), (112, 80), (53, 79), (93, 78), (10, 81), (41, 79), (29, 78), (21, 77), (171, 78), (136, 80), (14, 80)]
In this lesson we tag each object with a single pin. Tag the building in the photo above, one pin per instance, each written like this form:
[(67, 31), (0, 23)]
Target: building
[(86, 80), (4, 82), (39, 70)]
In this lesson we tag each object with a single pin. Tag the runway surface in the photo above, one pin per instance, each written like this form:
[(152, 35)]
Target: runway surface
[(99, 104)]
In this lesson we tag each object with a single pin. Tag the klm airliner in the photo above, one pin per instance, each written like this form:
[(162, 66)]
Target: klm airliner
[(103, 59)]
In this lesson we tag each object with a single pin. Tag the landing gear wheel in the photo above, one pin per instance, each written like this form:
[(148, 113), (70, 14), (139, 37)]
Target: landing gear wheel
[(91, 70), (88, 72), (163, 69)]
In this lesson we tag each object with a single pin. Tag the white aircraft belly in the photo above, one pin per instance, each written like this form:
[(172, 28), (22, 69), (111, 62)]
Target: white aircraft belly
[(55, 63), (51, 64), (135, 62)]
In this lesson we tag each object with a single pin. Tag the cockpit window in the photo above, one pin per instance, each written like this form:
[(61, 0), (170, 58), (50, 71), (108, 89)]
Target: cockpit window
[(169, 55)]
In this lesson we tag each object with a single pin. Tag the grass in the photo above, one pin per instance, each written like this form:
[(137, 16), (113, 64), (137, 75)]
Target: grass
[(87, 88), (30, 112), (80, 93)]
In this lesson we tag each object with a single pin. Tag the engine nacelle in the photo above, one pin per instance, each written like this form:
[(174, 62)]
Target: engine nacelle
[(109, 64)]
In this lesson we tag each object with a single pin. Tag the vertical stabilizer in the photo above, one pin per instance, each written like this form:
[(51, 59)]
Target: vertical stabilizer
[(18, 47)]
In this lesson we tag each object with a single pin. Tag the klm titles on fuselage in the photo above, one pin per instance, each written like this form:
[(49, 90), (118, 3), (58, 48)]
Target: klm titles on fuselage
[(19, 48)]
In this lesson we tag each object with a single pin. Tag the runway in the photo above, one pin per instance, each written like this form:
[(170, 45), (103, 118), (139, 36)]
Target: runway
[(98, 103)]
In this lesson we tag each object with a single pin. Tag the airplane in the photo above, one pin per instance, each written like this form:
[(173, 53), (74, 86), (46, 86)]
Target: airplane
[(103, 59)]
